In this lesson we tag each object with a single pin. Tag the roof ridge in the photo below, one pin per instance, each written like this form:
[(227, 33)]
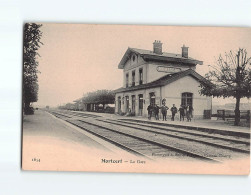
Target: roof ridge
[(152, 53), (149, 54)]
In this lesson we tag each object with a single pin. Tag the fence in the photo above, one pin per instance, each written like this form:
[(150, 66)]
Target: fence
[(230, 114)]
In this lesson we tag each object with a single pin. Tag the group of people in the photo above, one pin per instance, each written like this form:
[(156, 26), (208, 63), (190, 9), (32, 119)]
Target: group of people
[(183, 110)]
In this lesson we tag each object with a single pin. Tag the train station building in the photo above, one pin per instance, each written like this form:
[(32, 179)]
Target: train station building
[(156, 77)]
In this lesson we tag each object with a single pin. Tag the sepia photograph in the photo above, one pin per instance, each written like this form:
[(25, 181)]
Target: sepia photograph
[(136, 98)]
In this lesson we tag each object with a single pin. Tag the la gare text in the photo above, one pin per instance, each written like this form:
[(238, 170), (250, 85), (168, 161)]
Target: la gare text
[(120, 161)]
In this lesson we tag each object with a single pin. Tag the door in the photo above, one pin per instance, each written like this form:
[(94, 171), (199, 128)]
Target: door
[(152, 100), (127, 103), (133, 103), (119, 104), (140, 104)]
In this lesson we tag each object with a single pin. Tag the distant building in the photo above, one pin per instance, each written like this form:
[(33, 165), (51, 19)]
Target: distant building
[(79, 105), (156, 77), (100, 100)]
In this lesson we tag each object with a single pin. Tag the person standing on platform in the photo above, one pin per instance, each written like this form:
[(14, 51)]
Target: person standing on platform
[(182, 112), (174, 111), (150, 109), (189, 113), (164, 111), (156, 112)]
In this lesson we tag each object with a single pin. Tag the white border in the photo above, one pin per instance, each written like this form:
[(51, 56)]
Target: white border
[(12, 15)]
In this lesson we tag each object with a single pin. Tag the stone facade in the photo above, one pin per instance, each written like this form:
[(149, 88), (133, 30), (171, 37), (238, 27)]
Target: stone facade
[(146, 80)]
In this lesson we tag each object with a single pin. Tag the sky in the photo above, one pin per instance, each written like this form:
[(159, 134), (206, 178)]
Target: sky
[(80, 58)]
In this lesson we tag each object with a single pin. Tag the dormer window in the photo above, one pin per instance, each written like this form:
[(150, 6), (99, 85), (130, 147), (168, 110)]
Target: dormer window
[(133, 58)]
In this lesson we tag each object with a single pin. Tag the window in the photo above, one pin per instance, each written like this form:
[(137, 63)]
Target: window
[(152, 98), (133, 78), (133, 58), (187, 99), (140, 76), (127, 80)]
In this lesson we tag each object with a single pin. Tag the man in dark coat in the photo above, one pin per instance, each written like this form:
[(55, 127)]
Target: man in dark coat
[(164, 111), (189, 113), (156, 112), (182, 112), (174, 111), (149, 109)]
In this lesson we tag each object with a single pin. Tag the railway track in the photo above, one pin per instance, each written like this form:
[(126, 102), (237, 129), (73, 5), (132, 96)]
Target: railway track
[(135, 144), (146, 140), (199, 129), (70, 114), (242, 145)]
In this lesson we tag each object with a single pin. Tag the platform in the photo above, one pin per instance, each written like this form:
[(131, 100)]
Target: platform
[(49, 143), (200, 124)]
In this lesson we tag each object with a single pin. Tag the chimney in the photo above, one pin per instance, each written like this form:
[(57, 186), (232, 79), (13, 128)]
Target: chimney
[(184, 51), (157, 47)]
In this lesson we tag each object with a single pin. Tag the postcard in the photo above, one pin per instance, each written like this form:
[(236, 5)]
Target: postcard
[(136, 98)]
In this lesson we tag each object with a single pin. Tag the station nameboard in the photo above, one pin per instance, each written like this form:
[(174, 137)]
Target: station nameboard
[(168, 69)]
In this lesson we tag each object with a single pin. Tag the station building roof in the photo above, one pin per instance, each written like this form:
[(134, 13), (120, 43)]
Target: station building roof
[(167, 79), (150, 55)]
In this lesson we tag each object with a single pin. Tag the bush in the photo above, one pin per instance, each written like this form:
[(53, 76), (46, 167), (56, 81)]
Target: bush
[(29, 111)]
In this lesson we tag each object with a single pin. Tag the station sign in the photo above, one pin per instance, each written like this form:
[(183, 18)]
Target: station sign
[(168, 69)]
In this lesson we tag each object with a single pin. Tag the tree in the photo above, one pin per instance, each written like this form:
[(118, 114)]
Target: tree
[(100, 97), (32, 36), (230, 77)]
